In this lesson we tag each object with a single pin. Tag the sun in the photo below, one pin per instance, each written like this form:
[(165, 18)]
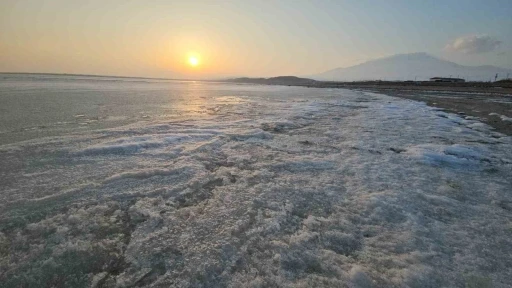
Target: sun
[(192, 60)]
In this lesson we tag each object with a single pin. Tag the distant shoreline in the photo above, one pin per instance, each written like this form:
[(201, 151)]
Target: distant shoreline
[(499, 87), (477, 87), (490, 102)]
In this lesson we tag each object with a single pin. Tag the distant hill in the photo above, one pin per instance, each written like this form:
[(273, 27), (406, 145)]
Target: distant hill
[(421, 66), (280, 80)]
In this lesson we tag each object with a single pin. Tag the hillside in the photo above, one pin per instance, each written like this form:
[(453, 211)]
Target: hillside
[(279, 80)]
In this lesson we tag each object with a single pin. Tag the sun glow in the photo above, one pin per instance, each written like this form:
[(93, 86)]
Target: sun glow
[(194, 61)]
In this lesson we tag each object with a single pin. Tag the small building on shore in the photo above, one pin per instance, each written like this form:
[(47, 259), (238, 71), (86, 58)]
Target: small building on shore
[(445, 79)]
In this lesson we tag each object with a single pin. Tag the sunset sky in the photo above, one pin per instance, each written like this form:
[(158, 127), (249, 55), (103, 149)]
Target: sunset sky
[(244, 38)]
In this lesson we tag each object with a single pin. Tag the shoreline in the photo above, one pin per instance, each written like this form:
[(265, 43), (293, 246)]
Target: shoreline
[(488, 102), (494, 110)]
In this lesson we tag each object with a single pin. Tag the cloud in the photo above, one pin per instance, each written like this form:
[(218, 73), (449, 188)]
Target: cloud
[(473, 44)]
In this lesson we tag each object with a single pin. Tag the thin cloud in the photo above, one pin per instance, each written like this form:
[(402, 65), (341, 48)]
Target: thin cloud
[(473, 44)]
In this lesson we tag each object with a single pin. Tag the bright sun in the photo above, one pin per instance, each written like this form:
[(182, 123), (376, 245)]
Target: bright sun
[(193, 61)]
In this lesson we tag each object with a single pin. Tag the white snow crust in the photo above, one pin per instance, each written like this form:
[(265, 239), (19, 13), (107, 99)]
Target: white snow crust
[(329, 188)]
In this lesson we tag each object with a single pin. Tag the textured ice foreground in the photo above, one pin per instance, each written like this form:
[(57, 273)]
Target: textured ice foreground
[(351, 190)]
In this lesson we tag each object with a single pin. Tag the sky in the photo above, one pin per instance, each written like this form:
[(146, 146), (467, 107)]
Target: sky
[(244, 38)]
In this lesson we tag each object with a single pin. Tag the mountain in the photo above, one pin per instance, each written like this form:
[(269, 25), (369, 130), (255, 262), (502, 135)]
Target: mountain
[(279, 80), (419, 66)]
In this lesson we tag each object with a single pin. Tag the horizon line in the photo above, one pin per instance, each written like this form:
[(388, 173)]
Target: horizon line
[(152, 78), (114, 76)]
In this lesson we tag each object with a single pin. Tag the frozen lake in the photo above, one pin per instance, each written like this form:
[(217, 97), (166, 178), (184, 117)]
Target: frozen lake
[(191, 184), (41, 105)]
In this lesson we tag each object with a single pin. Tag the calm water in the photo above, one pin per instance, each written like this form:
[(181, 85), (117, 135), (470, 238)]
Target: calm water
[(40, 105)]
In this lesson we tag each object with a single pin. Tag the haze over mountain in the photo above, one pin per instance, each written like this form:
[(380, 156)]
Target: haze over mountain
[(419, 66)]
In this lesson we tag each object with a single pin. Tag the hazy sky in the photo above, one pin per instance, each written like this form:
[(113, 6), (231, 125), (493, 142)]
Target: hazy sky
[(244, 38)]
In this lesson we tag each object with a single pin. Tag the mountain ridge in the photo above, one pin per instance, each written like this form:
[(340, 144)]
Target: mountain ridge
[(412, 66), (278, 80)]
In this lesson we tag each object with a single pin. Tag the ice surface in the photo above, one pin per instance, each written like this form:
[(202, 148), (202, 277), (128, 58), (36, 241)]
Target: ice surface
[(454, 156), (348, 189)]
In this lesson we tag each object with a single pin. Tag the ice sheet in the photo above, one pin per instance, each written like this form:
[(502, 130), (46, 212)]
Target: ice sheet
[(351, 190)]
